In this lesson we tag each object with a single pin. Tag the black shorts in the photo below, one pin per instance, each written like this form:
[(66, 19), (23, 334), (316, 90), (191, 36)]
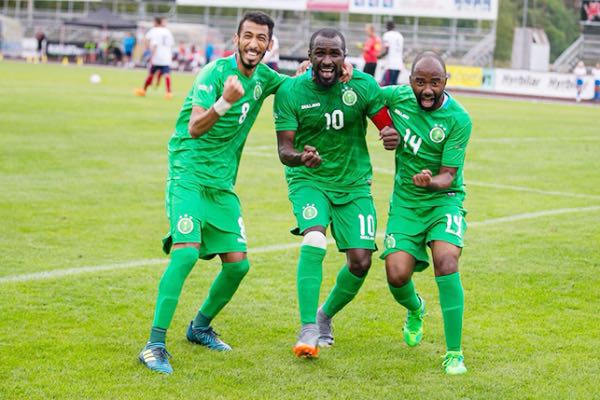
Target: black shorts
[(164, 69)]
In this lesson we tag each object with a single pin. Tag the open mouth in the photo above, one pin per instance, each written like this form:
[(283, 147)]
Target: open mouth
[(252, 56), (327, 73), (427, 102)]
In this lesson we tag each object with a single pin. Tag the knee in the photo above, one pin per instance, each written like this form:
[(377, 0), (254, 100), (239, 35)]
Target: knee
[(238, 269), (398, 276), (360, 266), (446, 265)]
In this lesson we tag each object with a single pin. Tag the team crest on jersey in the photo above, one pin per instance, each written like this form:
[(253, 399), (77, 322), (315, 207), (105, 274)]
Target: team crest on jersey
[(389, 242), (437, 134), (257, 91), (349, 97), (185, 224), (309, 211)]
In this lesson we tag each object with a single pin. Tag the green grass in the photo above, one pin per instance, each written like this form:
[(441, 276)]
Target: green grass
[(82, 170)]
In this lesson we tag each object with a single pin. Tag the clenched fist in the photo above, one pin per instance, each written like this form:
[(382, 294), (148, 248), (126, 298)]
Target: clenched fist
[(233, 89), (310, 157), (423, 178), (390, 138)]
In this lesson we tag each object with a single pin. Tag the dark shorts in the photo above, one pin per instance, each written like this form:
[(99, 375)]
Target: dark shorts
[(370, 68), (391, 77), (164, 69)]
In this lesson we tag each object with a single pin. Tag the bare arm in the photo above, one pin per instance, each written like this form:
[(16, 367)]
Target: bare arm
[(289, 156), (441, 181), (203, 119)]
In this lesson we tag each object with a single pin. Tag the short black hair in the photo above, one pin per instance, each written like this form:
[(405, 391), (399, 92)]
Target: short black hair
[(258, 17), (158, 20), (427, 54), (390, 25), (329, 33)]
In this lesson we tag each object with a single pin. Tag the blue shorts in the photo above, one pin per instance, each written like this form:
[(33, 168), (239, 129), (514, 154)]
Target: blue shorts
[(164, 69), (579, 82)]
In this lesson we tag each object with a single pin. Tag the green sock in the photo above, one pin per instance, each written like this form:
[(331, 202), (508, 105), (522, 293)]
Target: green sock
[(452, 302), (346, 287), (171, 283), (223, 288), (158, 335), (201, 321), (310, 275), (406, 295)]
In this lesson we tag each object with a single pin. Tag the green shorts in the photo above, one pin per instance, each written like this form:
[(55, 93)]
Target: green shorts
[(352, 217), (200, 214), (412, 229)]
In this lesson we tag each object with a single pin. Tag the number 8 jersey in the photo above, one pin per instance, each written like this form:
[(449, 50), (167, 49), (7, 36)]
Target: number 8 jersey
[(333, 120), (213, 159)]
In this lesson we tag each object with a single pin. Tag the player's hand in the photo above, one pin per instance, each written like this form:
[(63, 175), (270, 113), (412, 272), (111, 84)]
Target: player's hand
[(390, 138), (233, 89), (347, 72), (423, 178), (304, 65), (310, 157)]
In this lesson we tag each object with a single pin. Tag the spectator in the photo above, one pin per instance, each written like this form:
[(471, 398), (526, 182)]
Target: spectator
[(208, 52), (42, 45), (596, 75), (580, 72), (128, 45), (393, 48), (370, 50)]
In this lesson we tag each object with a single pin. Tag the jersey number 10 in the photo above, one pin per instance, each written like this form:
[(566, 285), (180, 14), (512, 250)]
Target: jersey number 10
[(335, 120)]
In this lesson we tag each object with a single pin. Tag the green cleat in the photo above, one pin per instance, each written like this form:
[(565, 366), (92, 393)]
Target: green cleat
[(413, 326), (454, 363)]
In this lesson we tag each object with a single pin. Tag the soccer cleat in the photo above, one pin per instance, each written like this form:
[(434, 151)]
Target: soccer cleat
[(206, 337), (454, 363), (169, 96), (307, 345), (139, 92), (413, 326), (156, 357), (325, 329)]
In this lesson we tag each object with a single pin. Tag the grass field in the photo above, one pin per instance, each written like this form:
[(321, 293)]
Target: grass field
[(82, 171)]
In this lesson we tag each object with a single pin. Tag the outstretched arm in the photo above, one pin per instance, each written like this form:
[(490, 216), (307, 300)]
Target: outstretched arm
[(203, 119), (289, 156), (441, 181)]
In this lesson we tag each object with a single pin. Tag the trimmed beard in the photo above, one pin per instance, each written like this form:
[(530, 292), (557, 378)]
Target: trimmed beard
[(436, 99), (336, 76), (248, 66)]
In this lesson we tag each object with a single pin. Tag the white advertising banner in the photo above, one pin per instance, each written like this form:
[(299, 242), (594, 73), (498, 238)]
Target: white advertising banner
[(461, 9), (543, 84), (296, 5)]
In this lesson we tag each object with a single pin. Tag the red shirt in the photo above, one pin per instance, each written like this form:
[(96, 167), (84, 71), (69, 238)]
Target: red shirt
[(372, 49)]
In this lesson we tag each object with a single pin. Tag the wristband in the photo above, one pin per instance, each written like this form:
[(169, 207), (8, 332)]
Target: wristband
[(221, 106)]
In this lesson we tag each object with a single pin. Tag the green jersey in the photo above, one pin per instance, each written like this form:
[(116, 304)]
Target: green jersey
[(429, 140), (213, 159), (333, 120)]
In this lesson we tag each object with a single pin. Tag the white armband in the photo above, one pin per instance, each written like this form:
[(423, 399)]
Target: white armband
[(221, 106)]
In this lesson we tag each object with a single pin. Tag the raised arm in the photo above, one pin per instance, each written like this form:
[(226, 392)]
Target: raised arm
[(289, 156), (203, 119)]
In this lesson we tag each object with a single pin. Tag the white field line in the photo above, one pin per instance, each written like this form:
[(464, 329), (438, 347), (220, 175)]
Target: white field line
[(511, 187), (37, 276), (540, 139)]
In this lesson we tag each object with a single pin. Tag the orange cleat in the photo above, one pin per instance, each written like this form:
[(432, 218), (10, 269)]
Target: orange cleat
[(139, 92)]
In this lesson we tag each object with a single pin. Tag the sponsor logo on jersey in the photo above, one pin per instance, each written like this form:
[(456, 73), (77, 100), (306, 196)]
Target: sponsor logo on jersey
[(204, 88), (257, 91), (307, 106), (309, 211), (185, 224), (389, 242), (400, 113), (437, 134), (349, 97)]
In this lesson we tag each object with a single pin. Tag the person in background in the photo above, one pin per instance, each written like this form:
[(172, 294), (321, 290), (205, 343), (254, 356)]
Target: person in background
[(393, 48), (370, 50), (160, 41), (596, 75), (128, 45), (272, 56), (580, 72), (208, 52), (42, 45)]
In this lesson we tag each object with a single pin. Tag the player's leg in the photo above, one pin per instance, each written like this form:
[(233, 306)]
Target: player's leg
[(353, 226), (446, 241), (404, 253), (166, 71), (223, 234), (313, 214), (185, 233)]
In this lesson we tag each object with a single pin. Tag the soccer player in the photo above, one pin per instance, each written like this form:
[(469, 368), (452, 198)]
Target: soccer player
[(426, 207), (393, 48), (321, 132), (160, 40), (204, 211)]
